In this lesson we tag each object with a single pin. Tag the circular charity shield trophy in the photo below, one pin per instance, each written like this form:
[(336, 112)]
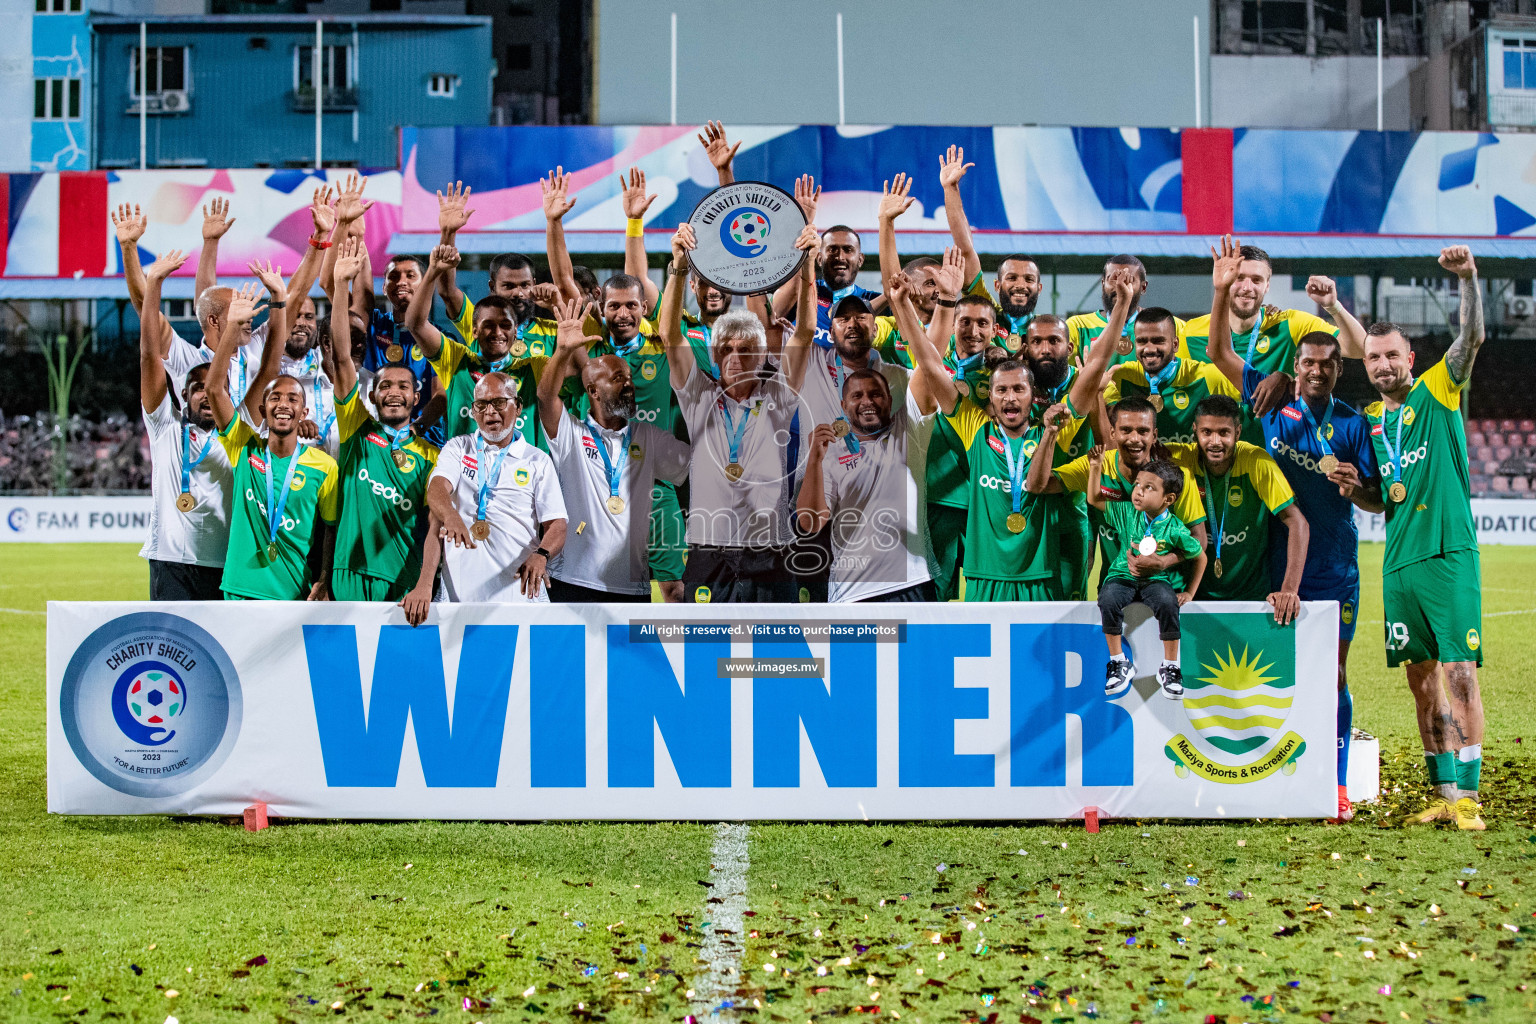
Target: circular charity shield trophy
[(746, 234)]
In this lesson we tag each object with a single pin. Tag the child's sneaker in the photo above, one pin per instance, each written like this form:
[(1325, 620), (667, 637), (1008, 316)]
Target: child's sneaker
[(1171, 679), (1117, 678)]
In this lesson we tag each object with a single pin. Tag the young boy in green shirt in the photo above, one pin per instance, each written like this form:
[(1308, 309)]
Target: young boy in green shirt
[(1152, 543)]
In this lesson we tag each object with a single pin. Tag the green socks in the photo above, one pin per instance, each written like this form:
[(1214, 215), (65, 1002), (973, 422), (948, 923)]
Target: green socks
[(1469, 767), (1442, 768)]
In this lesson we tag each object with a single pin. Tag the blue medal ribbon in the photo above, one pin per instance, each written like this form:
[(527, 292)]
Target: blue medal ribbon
[(399, 437), (628, 348), (329, 420), (734, 430), (1210, 509), (277, 503), (1253, 337), (1164, 377), (1394, 453), (964, 367), (489, 478), (1320, 430), (241, 396), (614, 470), (1016, 469), (186, 446), (1151, 522)]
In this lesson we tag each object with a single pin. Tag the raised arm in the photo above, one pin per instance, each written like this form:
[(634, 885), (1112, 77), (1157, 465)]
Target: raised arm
[(1218, 347), (951, 281), (1458, 358), (242, 310), (308, 270), (152, 383), (1325, 293), (216, 221), (808, 196), (811, 511), (1095, 492), (1085, 387), (277, 335), (797, 351), (893, 204), (129, 224), (348, 263), (419, 311), (719, 150), (556, 206), (349, 212), (569, 340), (952, 168), (636, 203), (679, 352), (451, 219), (936, 385)]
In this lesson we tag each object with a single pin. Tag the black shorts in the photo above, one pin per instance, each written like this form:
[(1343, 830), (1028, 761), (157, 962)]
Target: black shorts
[(178, 581), (716, 575), (573, 593)]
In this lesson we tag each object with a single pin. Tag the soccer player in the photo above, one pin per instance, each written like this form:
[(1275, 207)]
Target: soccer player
[(458, 366), (869, 494), (741, 421), (285, 493), (1242, 490), (1431, 577), (1012, 550), (841, 259), (1173, 384), (384, 468), (190, 481), (510, 492), (1323, 446), (608, 461), (1084, 327), (1264, 337), (1133, 432)]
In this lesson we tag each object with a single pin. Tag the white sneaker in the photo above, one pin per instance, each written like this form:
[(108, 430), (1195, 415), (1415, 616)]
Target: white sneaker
[(1171, 679), (1118, 676)]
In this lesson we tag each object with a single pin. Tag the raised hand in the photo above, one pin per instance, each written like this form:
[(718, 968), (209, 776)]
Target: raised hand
[(1226, 263), (546, 294), (130, 223), (1125, 288), (899, 289), (950, 275), (715, 144), (1458, 260), (271, 278), (451, 215), (242, 304), (166, 265), (349, 259), (895, 201), (320, 212), (683, 242), (808, 195), (952, 167), (1322, 291), (443, 257), (349, 202), (636, 202), (216, 220), (556, 205), (1095, 454), (1054, 417), (809, 241), (570, 315)]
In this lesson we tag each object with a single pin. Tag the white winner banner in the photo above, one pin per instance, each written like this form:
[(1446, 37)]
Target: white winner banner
[(911, 711)]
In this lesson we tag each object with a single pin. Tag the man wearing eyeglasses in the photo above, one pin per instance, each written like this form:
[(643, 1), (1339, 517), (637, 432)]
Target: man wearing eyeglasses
[(497, 501)]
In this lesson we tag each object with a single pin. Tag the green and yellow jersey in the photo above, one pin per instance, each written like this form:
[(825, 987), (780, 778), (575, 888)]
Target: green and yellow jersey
[(1128, 525), (383, 495), (1426, 442), (992, 550), (311, 498), (1238, 508), (1083, 328), (1115, 485), (1192, 381), (948, 471), (459, 369), (1268, 347)]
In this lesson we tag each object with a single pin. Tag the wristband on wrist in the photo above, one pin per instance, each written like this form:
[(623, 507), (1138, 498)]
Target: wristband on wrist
[(319, 245), (634, 227), (947, 303), (541, 551)]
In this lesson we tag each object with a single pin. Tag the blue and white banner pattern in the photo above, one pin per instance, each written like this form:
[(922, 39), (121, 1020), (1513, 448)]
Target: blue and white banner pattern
[(942, 711)]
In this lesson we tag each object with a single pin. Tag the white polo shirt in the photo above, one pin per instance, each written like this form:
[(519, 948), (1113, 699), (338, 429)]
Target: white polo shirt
[(201, 536), (878, 501), (604, 551), (183, 355), (822, 391), (319, 397), (524, 494), (755, 510)]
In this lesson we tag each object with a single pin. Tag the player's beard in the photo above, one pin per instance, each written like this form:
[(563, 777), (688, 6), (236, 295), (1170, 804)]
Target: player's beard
[(1048, 373), (1017, 311), (623, 407)]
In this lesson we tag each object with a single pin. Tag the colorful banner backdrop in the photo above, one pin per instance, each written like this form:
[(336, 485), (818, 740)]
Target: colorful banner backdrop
[(683, 712)]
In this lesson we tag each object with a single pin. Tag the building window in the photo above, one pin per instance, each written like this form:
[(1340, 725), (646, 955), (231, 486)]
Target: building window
[(335, 67), (166, 70), (56, 99), (442, 85), (1520, 63), (58, 6)]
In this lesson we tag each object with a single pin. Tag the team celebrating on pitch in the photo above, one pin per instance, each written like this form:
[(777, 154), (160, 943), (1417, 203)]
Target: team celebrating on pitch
[(572, 441)]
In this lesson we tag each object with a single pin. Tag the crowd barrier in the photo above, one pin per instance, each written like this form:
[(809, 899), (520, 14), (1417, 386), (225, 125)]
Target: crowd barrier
[(942, 711)]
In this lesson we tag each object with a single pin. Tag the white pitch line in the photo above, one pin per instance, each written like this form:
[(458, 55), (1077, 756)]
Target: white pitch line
[(725, 942), (22, 611), (1486, 615)]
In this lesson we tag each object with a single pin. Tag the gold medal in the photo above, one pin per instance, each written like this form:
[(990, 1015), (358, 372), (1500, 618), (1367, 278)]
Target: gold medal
[(394, 354), (840, 428), (400, 459), (1124, 346), (272, 552), (1016, 522), (1328, 463), (519, 348), (982, 392), (615, 504), (1398, 492), (733, 472), (962, 387), (1157, 402), (185, 502), (1216, 568), (480, 530), (1012, 344)]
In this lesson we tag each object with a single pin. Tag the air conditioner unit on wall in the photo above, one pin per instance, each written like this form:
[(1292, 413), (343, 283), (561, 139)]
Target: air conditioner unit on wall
[(1517, 309), (173, 101)]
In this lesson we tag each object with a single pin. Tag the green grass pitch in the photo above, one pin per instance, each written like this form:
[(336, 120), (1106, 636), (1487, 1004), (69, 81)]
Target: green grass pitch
[(137, 919)]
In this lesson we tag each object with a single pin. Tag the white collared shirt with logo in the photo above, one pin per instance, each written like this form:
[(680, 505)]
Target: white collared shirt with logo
[(755, 510), (526, 494), (183, 355), (604, 551), (820, 392), (878, 502), (199, 537)]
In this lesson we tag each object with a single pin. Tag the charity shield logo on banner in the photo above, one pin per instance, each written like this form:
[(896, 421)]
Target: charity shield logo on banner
[(1240, 682), (150, 704)]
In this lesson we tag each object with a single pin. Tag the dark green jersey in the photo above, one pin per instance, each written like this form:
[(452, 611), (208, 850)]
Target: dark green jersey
[(1238, 508), (1128, 525), (948, 470), (383, 495)]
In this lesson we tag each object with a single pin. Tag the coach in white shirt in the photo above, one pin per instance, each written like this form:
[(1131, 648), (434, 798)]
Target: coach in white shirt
[(868, 482), (607, 465), (498, 501), (191, 477), (743, 429)]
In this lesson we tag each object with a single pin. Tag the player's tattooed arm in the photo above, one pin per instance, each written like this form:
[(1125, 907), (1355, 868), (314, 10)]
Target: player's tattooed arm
[(1458, 260)]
